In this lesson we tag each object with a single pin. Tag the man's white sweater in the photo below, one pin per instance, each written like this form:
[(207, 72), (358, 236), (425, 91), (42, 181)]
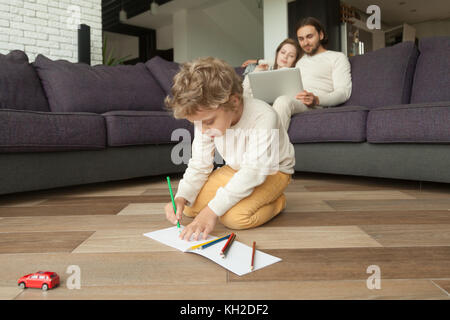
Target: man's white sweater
[(327, 75)]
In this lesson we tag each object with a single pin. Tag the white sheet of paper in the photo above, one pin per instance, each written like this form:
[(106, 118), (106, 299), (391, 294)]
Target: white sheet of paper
[(237, 260)]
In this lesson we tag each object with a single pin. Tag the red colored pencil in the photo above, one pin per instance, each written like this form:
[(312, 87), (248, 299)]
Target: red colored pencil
[(227, 245), (253, 256)]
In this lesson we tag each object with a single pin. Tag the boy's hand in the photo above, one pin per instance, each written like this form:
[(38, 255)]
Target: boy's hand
[(204, 222), (179, 204), (308, 98)]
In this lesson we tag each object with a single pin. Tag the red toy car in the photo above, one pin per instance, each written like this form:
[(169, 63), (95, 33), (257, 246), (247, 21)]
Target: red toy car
[(42, 279)]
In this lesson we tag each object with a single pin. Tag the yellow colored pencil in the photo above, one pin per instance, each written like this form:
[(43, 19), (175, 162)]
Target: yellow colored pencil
[(202, 244)]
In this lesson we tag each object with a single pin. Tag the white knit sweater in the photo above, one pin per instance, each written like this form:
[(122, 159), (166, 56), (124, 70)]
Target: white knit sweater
[(247, 156)]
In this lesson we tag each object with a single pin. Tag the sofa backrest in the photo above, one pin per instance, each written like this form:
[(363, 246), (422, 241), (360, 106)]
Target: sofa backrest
[(384, 76), (20, 87), (78, 87), (431, 78), (164, 71)]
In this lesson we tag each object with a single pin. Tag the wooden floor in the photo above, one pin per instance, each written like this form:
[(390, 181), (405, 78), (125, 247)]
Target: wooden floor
[(333, 229)]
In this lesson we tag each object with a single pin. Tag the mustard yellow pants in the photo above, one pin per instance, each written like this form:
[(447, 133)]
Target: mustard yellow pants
[(265, 202)]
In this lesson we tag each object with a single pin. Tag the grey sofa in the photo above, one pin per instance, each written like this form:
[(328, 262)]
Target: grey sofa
[(65, 124), (396, 123)]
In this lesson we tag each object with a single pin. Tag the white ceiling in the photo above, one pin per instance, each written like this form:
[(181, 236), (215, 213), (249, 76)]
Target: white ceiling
[(165, 12), (394, 13)]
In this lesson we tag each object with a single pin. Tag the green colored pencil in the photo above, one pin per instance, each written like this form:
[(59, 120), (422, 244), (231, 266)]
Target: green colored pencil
[(173, 201)]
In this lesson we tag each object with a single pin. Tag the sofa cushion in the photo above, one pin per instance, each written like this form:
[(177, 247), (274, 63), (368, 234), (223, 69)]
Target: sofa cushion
[(240, 72), (78, 87), (20, 87), (412, 123), (344, 124), (383, 77), (431, 78), (142, 127), (164, 71), (34, 131)]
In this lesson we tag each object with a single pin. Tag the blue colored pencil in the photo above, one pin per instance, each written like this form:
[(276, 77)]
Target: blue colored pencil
[(214, 242)]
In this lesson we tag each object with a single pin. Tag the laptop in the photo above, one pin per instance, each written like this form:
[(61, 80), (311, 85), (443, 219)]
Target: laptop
[(269, 85)]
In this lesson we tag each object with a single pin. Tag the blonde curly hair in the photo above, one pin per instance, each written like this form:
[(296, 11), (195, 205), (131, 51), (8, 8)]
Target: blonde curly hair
[(203, 84)]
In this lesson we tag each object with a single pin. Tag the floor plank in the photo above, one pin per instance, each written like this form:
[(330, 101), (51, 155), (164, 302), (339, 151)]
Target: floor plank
[(39, 242), (143, 208), (417, 235), (373, 205), (20, 202), (116, 269), (293, 204), (9, 293), (160, 191), (427, 195), (337, 187), (352, 263), (112, 191), (36, 211), (349, 195), (67, 201), (109, 241), (309, 237), (84, 223), (322, 181), (306, 237), (444, 285), (289, 290), (345, 218)]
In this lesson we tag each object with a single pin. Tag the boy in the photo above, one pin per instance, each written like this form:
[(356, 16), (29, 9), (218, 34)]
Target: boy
[(247, 191)]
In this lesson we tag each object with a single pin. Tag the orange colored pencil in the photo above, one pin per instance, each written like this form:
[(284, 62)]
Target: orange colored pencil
[(253, 256)]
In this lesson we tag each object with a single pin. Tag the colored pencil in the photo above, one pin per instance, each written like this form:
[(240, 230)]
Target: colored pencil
[(253, 256), (227, 245), (173, 201), (206, 245), (208, 242)]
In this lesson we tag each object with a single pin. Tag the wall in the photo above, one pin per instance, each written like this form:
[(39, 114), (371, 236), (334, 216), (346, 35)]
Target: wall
[(275, 26), (164, 37), (180, 37), (121, 45), (50, 27), (230, 30), (432, 28)]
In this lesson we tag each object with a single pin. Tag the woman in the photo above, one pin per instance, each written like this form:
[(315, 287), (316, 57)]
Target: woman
[(286, 56)]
